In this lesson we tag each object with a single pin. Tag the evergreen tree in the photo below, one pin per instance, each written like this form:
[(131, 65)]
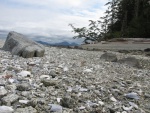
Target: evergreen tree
[(123, 18)]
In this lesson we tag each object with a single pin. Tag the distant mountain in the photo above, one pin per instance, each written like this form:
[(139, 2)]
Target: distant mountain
[(3, 34), (44, 43), (64, 43)]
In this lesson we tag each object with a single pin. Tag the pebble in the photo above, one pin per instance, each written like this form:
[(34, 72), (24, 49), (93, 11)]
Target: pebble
[(24, 73), (49, 82), (6, 109), (55, 108), (23, 87), (11, 80), (3, 91), (87, 71), (44, 77), (23, 101), (134, 105), (132, 95), (113, 99), (9, 99), (68, 102), (127, 108)]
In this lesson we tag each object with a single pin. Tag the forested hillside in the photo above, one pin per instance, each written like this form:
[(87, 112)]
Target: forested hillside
[(123, 18)]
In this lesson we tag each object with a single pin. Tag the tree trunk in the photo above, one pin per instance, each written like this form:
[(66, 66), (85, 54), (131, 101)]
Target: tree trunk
[(124, 24), (137, 8)]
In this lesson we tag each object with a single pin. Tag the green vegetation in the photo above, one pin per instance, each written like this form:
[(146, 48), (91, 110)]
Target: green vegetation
[(123, 19)]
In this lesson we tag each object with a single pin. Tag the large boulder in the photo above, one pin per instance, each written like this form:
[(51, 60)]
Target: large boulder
[(131, 61), (110, 57), (20, 45)]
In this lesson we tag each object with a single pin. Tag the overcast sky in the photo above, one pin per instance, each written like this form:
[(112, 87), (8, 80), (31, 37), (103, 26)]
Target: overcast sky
[(49, 18)]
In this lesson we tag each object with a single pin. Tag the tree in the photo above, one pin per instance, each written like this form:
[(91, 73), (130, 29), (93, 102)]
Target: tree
[(123, 18), (92, 33)]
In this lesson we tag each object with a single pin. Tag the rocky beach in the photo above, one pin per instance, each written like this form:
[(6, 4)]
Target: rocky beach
[(74, 81)]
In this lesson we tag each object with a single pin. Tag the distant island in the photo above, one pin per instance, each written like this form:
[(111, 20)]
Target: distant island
[(64, 43)]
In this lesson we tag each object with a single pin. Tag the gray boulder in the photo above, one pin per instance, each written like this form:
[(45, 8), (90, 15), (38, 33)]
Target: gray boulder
[(131, 61), (110, 57), (20, 45)]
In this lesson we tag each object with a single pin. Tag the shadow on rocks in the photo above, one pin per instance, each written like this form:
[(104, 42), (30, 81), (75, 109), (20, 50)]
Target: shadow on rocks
[(131, 61), (110, 57)]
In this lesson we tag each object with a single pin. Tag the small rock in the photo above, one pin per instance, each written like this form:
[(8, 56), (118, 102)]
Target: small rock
[(68, 102), (147, 50), (44, 77), (25, 93), (58, 100), (132, 95), (83, 89), (91, 104), (11, 98), (2, 82), (87, 71), (101, 103), (6, 109), (127, 108), (53, 74), (11, 80), (23, 101), (49, 82), (65, 69), (56, 108), (146, 95), (26, 110), (134, 105), (23, 87), (81, 108), (12, 87), (3, 91), (113, 99), (24, 74), (69, 89), (37, 101)]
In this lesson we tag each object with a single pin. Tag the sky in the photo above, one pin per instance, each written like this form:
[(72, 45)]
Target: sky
[(49, 19)]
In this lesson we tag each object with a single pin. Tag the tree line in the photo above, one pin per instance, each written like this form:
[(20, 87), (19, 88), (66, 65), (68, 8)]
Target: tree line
[(123, 19)]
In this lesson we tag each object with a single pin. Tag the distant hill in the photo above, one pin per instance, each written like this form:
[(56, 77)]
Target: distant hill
[(64, 43)]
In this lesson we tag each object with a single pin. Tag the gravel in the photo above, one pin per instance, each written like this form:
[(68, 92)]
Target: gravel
[(73, 81)]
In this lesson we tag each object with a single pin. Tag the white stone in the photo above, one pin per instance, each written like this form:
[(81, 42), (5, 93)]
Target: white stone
[(134, 105), (58, 100), (44, 77), (23, 101), (113, 99), (2, 91), (65, 69), (24, 73), (11, 80), (55, 108), (81, 108), (83, 89), (69, 89), (6, 109), (87, 71), (127, 108), (101, 103)]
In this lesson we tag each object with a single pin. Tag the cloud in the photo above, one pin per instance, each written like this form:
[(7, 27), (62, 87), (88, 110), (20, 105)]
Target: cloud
[(48, 18)]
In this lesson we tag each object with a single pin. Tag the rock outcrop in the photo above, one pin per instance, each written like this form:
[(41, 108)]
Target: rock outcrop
[(110, 57), (19, 44), (131, 61)]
